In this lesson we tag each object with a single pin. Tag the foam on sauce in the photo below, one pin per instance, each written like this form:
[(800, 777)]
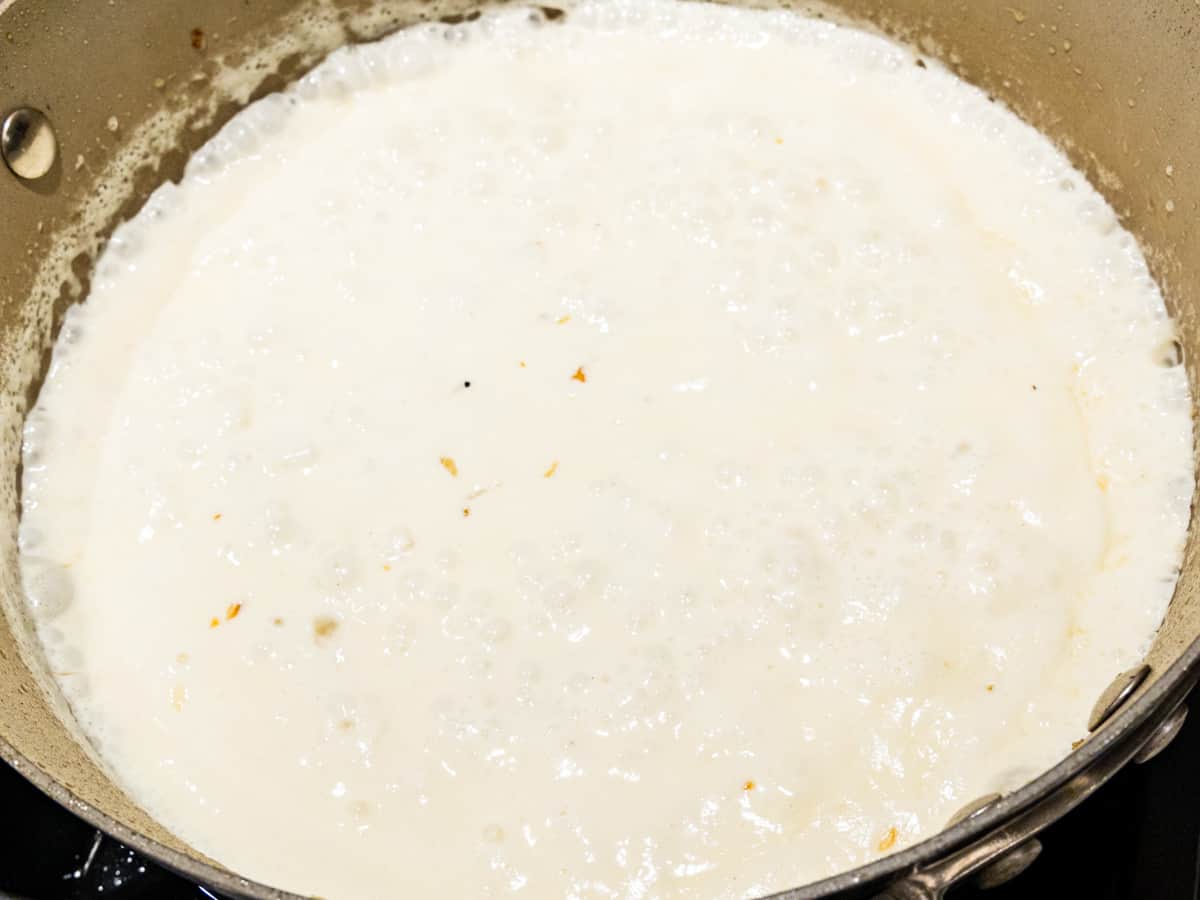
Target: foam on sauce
[(671, 450)]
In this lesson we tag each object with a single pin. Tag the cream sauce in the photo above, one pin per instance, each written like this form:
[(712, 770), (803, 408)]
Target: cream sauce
[(669, 451)]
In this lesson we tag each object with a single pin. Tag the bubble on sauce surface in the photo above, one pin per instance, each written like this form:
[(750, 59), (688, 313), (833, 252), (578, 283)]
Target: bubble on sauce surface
[(48, 585)]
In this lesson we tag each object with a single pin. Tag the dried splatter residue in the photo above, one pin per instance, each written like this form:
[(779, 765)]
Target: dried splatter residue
[(549, 473), (231, 611), (324, 626), (199, 40), (579, 376), (1075, 745), (449, 465), (888, 841)]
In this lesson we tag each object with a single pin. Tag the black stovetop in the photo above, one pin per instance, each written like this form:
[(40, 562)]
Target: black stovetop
[(1137, 839)]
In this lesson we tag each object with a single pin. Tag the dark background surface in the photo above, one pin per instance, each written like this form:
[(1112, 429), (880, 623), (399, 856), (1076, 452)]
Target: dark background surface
[(1137, 839)]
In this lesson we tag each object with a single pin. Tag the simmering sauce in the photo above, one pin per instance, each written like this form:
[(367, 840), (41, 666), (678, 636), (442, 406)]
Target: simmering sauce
[(663, 450)]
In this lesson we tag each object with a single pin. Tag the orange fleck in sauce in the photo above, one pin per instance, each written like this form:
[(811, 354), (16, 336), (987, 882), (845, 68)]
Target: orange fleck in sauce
[(324, 626), (466, 511), (232, 611), (748, 786), (1102, 482), (387, 568), (563, 320), (549, 473), (579, 376), (889, 840), (449, 465), (522, 364), (214, 622), (277, 621), (216, 517), (991, 687), (779, 140)]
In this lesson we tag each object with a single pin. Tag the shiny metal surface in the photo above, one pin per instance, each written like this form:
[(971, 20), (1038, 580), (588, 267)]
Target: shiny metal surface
[(28, 144), (1115, 695), (1117, 85), (1009, 866), (974, 808), (1162, 737)]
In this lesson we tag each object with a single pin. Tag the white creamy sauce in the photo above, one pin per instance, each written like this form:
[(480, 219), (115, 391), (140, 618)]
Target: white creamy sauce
[(821, 462)]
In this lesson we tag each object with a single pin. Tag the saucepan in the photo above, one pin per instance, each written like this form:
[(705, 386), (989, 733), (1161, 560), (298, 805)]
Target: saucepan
[(102, 102)]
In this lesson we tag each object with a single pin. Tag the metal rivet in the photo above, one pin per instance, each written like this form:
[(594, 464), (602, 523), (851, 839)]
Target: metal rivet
[(974, 808), (1116, 694), (1163, 735), (1009, 866), (28, 144)]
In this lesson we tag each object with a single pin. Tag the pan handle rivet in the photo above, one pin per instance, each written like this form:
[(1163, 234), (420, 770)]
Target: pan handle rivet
[(1163, 735), (974, 808), (1009, 866), (27, 143), (1115, 695)]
